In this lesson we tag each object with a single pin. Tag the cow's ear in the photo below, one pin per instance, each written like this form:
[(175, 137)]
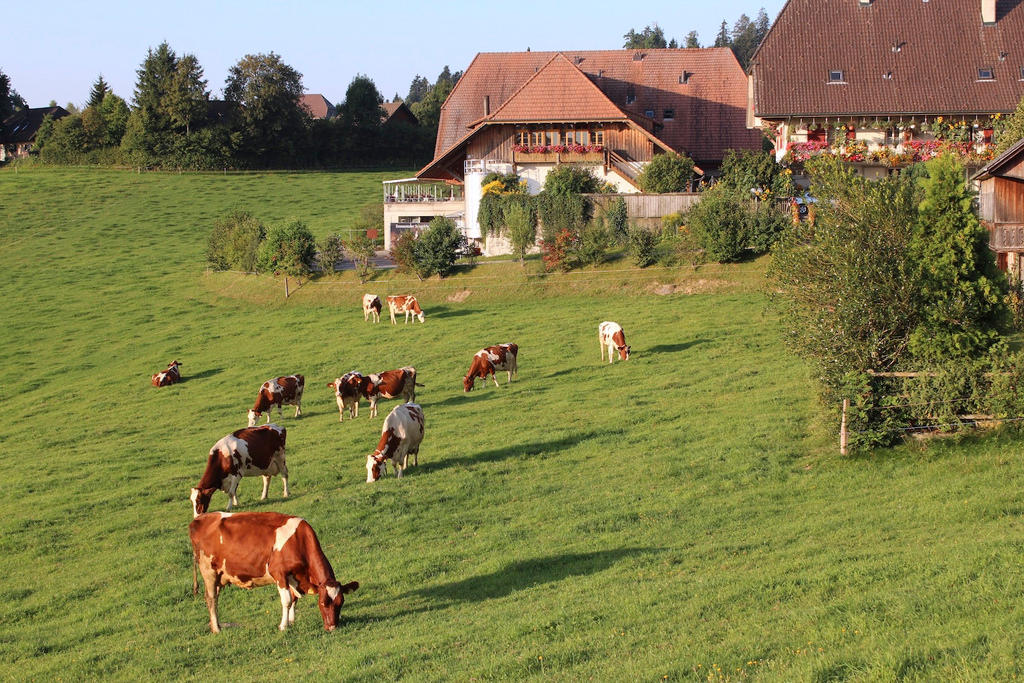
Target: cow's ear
[(331, 385)]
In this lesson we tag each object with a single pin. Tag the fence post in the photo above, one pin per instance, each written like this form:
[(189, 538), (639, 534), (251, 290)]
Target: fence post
[(842, 428), (286, 296)]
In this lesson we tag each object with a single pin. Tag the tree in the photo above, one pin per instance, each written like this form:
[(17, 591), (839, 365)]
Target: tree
[(719, 223), (418, 89), (750, 171), (361, 109), (962, 291), (521, 224), (568, 179), (288, 249), (428, 108), (99, 90), (642, 244), (234, 242), (667, 172), (1012, 130), (361, 250), (270, 124), (648, 38), (330, 250), (438, 247), (723, 39), (114, 112), (6, 103), (618, 219), (692, 40), (187, 98)]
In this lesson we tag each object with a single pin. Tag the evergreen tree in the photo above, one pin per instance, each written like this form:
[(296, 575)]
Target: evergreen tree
[(417, 89), (963, 293), (361, 109), (99, 90), (723, 39), (673, 43), (692, 40), (744, 40), (649, 38)]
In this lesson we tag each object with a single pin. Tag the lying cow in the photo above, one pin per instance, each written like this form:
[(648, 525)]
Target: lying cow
[(244, 453), (611, 335), (168, 376), (404, 303), (261, 548), (400, 437), (371, 306), (283, 391), (400, 383), (486, 361)]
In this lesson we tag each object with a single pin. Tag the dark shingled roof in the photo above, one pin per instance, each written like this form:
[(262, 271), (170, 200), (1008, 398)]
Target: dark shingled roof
[(930, 51), (709, 108), (22, 126)]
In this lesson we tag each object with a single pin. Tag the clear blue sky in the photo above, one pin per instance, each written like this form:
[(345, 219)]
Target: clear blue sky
[(54, 50)]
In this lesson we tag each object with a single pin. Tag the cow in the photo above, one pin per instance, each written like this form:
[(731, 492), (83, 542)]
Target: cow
[(252, 549), (611, 335), (283, 391), (404, 303), (243, 453), (486, 361), (400, 437), (371, 306), (400, 383), (168, 376)]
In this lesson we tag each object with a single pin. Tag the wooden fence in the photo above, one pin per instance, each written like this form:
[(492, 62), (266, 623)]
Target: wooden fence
[(648, 205)]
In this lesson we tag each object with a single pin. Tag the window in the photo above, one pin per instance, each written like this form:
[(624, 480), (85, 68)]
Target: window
[(668, 114), (598, 137), (1022, 73), (522, 137), (649, 113), (536, 138), (836, 76), (986, 74), (630, 96), (684, 78)]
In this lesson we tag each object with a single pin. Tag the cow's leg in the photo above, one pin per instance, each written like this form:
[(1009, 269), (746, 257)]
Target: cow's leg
[(231, 488), (494, 379), (283, 470), (600, 342), (399, 467), (266, 486), (210, 592), (373, 407), (298, 405), (287, 605)]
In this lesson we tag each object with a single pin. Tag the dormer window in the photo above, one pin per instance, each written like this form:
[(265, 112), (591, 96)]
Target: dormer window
[(630, 96), (836, 76), (668, 114), (1022, 73), (649, 113), (684, 78), (986, 74)]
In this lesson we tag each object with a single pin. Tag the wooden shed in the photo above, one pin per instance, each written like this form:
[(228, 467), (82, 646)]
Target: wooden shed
[(1001, 197)]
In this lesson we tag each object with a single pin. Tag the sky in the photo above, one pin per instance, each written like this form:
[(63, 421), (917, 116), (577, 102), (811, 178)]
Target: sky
[(60, 47)]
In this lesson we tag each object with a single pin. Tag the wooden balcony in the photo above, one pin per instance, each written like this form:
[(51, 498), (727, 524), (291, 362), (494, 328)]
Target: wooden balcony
[(558, 157), (1006, 236)]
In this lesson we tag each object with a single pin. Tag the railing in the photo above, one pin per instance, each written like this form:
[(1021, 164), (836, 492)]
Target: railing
[(627, 168), (1005, 236), (408, 191)]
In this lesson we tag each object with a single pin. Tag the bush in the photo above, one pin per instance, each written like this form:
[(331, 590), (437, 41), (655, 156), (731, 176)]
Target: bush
[(521, 223), (765, 224), (570, 179), (403, 253), (360, 249), (749, 170), (642, 246), (331, 250), (719, 224), (594, 243), (561, 212), (438, 247), (618, 220), (288, 249), (234, 242), (666, 173), (556, 252)]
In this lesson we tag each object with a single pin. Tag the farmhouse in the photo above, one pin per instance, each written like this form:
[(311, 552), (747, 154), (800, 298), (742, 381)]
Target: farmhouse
[(613, 110), (900, 82), (318, 106), (1001, 198), (397, 111), (21, 127)]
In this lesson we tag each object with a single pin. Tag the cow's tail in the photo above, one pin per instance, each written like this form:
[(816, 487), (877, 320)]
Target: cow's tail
[(195, 572), (417, 384)]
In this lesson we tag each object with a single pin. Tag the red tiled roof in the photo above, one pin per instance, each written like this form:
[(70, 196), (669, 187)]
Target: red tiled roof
[(709, 110), (392, 108), (932, 50), (317, 106)]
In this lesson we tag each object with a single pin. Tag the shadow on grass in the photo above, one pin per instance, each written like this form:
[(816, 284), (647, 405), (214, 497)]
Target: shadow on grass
[(462, 397), (448, 312), (675, 348), (522, 450), (524, 574), (201, 375)]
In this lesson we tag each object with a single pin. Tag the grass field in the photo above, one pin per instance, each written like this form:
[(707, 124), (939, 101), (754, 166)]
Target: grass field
[(680, 516)]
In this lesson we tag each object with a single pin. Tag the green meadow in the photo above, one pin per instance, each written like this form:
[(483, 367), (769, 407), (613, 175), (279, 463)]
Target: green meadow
[(684, 515)]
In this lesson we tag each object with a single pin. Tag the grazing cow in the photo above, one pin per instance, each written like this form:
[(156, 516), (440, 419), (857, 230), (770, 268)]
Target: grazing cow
[(611, 335), (252, 549), (486, 361), (168, 376), (371, 306), (404, 303), (400, 437), (389, 384), (283, 391), (244, 453)]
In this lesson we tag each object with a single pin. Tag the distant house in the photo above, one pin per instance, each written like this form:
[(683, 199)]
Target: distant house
[(318, 106), (1001, 199), (398, 111), (884, 83), (612, 110), (20, 128)]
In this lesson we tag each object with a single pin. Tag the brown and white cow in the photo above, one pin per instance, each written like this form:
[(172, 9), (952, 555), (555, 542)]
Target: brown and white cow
[(252, 549), (168, 376), (400, 437), (243, 453), (486, 361), (371, 306), (611, 335), (283, 391), (400, 383), (404, 303)]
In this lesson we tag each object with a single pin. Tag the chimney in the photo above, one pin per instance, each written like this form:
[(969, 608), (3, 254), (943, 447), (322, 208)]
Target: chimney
[(487, 105), (988, 12)]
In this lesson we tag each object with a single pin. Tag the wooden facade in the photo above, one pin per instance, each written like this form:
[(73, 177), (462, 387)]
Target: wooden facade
[(1001, 208), (496, 143)]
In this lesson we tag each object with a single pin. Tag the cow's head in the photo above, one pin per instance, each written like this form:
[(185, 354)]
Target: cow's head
[(331, 598), (253, 416), (467, 382), (421, 316), (201, 501), (173, 364), (623, 352), (374, 468)]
